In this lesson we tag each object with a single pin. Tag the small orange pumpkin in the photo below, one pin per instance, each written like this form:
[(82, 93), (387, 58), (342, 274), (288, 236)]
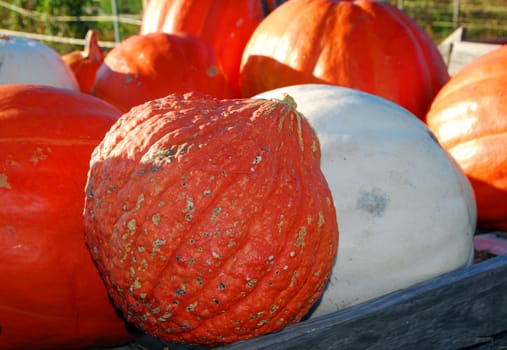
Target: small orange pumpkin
[(148, 66)]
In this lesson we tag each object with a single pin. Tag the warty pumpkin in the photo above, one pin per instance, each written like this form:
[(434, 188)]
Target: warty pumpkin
[(52, 295), (406, 210), (210, 219), (469, 118), (148, 66), (363, 44), (28, 61), (226, 25), (84, 64)]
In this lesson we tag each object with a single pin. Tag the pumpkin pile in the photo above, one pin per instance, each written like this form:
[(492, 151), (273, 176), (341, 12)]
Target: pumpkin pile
[(193, 188)]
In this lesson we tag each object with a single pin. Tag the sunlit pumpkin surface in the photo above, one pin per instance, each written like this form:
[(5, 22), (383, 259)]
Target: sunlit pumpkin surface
[(469, 118), (368, 45)]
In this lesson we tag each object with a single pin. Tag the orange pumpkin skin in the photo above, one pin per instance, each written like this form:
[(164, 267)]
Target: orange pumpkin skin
[(51, 295), (149, 66), (209, 219), (469, 118), (224, 24), (363, 44), (84, 64)]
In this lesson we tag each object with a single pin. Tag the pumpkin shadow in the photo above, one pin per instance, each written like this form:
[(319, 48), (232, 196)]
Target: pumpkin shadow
[(260, 77), (491, 205)]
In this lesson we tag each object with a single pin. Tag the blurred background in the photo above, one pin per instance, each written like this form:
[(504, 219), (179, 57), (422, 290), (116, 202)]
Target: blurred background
[(62, 24)]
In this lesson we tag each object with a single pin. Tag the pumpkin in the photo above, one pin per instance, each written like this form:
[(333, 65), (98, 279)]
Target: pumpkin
[(52, 295), (367, 45), (84, 64), (27, 61), (149, 66), (406, 210), (226, 25), (469, 118), (210, 219)]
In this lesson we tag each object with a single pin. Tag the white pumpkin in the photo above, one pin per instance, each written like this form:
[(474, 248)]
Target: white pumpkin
[(406, 212), (27, 61)]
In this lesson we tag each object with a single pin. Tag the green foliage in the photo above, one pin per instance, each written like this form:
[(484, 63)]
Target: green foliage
[(484, 19), (39, 17), (75, 29)]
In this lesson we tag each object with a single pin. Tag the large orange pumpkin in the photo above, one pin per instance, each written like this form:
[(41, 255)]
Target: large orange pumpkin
[(224, 24), (148, 66), (51, 294), (469, 118), (209, 219), (363, 44), (84, 64)]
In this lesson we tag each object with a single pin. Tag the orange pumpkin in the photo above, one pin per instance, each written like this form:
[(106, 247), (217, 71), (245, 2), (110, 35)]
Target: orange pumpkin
[(226, 25), (51, 295), (84, 64), (469, 118), (149, 66), (363, 44), (209, 219)]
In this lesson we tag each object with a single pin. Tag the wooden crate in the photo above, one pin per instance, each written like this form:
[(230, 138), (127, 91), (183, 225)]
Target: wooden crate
[(457, 51)]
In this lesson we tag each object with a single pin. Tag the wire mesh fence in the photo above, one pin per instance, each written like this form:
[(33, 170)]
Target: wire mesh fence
[(485, 20), (66, 32)]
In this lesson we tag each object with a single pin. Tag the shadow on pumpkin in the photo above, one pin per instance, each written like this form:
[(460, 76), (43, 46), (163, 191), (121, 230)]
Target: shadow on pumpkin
[(257, 76), (491, 205)]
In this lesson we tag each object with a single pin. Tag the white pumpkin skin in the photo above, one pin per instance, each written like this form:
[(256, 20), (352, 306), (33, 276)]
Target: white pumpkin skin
[(406, 212), (27, 61)]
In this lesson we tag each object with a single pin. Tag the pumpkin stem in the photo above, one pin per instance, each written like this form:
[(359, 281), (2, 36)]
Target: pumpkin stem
[(92, 49), (289, 100)]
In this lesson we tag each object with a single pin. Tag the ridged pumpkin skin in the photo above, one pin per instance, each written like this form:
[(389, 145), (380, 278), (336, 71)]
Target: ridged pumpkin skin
[(367, 45), (224, 24), (150, 66), (51, 295), (84, 64), (406, 210), (469, 118), (210, 220), (28, 61)]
